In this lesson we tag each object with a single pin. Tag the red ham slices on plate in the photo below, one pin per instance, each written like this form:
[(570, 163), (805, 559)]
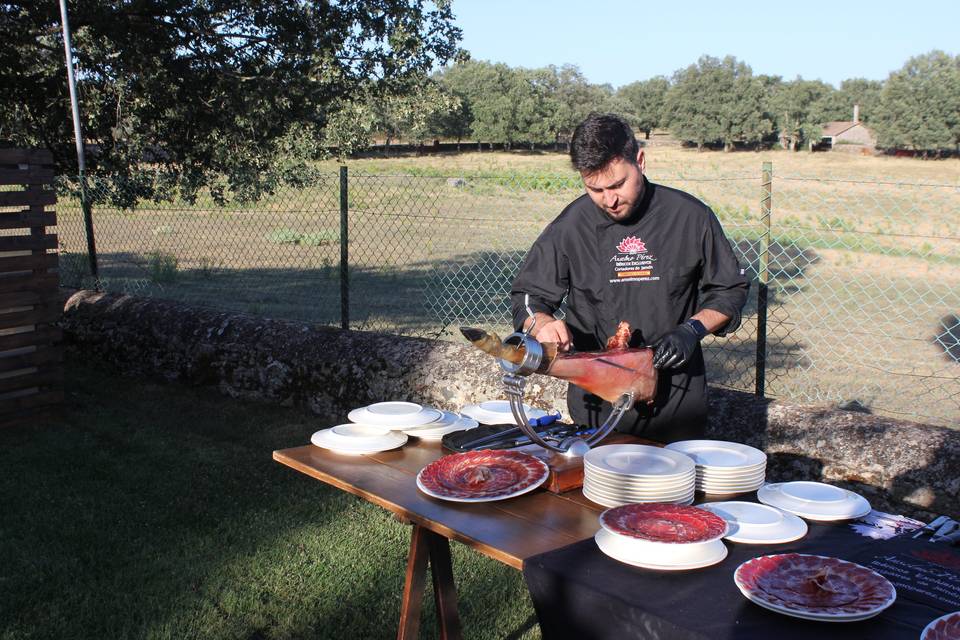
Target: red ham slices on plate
[(817, 587), (482, 476), (659, 522), (943, 628)]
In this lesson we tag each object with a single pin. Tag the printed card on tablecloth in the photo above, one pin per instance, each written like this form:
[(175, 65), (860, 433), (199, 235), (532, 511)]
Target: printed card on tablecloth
[(923, 571)]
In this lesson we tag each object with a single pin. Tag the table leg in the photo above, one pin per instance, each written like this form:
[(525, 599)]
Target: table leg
[(424, 545), (413, 585), (444, 590)]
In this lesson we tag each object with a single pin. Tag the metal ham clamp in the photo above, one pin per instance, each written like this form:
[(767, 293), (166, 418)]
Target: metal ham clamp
[(621, 376)]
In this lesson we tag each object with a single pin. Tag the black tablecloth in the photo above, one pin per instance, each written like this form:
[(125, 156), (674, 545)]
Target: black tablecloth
[(578, 592)]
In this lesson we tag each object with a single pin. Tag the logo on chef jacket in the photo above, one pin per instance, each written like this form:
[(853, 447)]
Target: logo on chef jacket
[(632, 262)]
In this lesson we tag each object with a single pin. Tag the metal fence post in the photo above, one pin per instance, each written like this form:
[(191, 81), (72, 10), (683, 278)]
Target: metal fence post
[(344, 252), (763, 275), (88, 229)]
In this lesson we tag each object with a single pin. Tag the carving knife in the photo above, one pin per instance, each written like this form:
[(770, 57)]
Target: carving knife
[(935, 524), (945, 529)]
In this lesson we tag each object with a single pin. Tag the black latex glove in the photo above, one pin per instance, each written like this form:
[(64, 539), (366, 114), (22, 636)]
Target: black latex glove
[(676, 348)]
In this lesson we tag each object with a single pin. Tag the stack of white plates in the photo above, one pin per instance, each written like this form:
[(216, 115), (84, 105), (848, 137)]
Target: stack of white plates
[(814, 500), (448, 423), (356, 439), (498, 412), (395, 415), (724, 468), (665, 537), (619, 474)]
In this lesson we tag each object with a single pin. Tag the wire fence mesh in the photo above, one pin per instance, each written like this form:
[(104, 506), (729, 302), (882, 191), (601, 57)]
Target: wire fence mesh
[(863, 285)]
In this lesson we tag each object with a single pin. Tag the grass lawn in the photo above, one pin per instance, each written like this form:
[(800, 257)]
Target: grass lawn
[(155, 511)]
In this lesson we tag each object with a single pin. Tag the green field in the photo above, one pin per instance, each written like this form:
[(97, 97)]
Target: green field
[(863, 258)]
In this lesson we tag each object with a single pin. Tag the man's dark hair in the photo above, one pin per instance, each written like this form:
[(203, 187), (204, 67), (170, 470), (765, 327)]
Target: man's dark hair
[(599, 139)]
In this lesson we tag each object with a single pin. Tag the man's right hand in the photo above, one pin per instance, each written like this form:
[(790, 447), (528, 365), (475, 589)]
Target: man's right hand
[(550, 329)]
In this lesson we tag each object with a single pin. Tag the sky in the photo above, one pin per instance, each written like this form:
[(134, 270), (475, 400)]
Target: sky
[(618, 42)]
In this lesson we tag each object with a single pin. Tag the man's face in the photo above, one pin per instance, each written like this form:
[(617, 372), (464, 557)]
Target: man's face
[(617, 187)]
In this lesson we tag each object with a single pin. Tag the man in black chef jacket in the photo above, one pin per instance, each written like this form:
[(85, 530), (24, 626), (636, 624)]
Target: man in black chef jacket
[(632, 250)]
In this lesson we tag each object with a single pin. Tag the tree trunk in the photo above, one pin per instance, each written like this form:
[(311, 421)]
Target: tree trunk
[(727, 147), (646, 134), (699, 147)]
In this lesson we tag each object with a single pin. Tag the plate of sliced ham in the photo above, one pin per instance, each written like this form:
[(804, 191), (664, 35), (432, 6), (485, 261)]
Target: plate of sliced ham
[(814, 587), (661, 522), (943, 628), (482, 476)]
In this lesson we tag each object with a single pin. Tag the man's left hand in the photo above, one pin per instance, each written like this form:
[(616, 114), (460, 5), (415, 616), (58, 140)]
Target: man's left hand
[(676, 348)]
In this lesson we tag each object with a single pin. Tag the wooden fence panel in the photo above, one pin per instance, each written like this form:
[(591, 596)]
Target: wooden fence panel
[(31, 358)]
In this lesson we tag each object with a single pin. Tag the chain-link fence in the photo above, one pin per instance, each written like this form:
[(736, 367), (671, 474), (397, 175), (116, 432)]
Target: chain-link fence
[(860, 303)]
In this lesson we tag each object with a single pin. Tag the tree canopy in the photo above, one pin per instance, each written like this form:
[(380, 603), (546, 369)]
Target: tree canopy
[(234, 96), (646, 99), (920, 104), (716, 101), (208, 92)]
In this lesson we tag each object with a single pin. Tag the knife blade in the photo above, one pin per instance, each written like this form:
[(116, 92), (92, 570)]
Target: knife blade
[(507, 434), (558, 433)]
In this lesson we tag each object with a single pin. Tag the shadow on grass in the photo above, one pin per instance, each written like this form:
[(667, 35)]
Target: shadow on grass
[(131, 517), (155, 510)]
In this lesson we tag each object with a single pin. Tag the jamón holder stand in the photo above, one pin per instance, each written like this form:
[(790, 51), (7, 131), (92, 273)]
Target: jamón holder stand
[(516, 378)]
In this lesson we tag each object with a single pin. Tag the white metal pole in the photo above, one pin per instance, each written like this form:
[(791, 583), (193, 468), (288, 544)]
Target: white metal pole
[(78, 135), (72, 82)]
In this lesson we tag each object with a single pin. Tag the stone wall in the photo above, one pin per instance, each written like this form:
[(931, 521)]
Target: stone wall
[(900, 466)]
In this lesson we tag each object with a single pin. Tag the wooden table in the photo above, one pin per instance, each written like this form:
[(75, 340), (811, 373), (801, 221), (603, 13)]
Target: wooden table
[(509, 531)]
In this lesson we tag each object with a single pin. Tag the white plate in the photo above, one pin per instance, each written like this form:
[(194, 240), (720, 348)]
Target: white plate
[(498, 412), (825, 615), (394, 414), (649, 481), (705, 555), (744, 473), (720, 454), (451, 422), (721, 493), (814, 500), (758, 477), (543, 473), (607, 485), (807, 616), (929, 628), (339, 443), (618, 502), (353, 433), (714, 472), (746, 487), (753, 523), (639, 461), (752, 484), (667, 482), (660, 553), (639, 497)]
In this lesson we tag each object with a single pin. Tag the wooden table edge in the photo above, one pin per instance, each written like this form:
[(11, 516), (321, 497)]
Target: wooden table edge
[(432, 525)]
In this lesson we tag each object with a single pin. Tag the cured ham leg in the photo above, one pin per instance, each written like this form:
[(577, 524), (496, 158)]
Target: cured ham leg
[(608, 374)]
